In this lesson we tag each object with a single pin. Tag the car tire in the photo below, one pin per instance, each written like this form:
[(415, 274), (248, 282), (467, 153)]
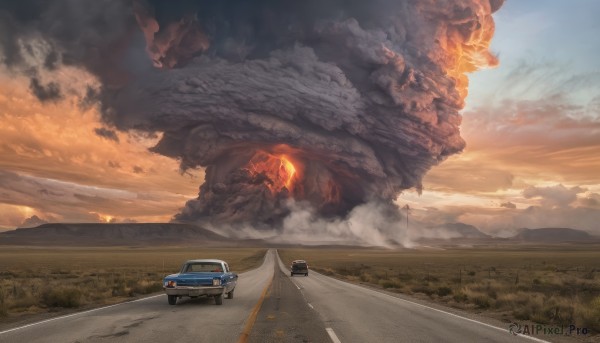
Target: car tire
[(219, 299), (306, 274), (291, 274), (172, 299), (230, 294)]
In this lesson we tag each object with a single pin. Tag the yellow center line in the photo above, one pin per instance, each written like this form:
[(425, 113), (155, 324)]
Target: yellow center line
[(252, 318)]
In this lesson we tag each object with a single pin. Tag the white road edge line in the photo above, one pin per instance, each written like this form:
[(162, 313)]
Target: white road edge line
[(76, 314), (332, 335), (311, 306), (441, 311)]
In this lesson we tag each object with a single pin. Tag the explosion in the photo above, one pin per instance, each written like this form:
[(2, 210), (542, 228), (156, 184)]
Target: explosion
[(332, 104), (279, 172)]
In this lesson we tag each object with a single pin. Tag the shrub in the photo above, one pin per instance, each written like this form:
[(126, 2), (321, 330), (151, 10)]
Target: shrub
[(3, 307), (481, 301), (327, 272), (344, 271), (556, 311), (119, 288), (590, 317), (595, 305), (443, 291), (387, 284), (364, 277), (460, 297), (589, 275), (26, 300), (522, 313), (405, 277), (67, 297), (422, 289), (145, 287)]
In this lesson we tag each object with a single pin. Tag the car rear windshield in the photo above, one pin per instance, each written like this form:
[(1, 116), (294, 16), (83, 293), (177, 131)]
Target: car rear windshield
[(202, 267), (299, 266)]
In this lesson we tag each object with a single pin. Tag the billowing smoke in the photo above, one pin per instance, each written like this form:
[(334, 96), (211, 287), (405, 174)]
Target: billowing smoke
[(330, 103)]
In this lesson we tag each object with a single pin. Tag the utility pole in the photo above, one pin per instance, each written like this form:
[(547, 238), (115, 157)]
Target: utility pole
[(407, 208)]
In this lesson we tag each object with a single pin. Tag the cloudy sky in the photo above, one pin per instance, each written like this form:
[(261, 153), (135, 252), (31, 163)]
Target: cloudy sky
[(532, 127)]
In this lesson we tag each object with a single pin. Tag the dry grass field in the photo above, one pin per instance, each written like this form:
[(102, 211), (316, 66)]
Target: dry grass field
[(547, 285), (36, 279)]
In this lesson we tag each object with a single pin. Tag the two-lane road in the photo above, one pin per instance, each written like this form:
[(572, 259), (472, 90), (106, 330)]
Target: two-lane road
[(316, 308)]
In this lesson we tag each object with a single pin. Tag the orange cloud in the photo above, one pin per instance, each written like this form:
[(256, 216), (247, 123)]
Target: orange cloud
[(102, 170), (527, 164)]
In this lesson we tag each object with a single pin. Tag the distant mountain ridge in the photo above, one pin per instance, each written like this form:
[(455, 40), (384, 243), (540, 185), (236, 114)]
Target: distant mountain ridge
[(112, 234), (465, 234), (453, 233), (465, 230), (153, 234), (553, 235)]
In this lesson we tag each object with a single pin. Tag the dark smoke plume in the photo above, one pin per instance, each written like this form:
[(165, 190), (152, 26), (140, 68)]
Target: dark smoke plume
[(49, 92), (361, 97), (106, 133)]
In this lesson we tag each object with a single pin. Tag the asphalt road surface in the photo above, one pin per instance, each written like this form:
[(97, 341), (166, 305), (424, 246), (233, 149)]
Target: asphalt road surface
[(285, 315), (294, 309)]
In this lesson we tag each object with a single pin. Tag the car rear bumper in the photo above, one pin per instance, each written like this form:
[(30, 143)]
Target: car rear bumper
[(194, 291), (300, 271)]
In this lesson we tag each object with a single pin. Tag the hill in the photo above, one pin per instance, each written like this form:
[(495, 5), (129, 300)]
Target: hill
[(95, 234), (553, 235), (453, 234)]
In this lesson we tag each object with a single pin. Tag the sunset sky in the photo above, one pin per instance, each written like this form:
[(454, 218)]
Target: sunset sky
[(532, 127)]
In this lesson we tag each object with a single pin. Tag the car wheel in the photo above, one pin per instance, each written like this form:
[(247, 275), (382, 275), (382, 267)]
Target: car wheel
[(306, 274), (172, 299), (291, 274), (219, 299), (230, 294)]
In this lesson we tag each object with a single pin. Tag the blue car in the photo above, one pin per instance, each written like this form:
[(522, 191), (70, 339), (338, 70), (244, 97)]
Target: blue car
[(201, 278)]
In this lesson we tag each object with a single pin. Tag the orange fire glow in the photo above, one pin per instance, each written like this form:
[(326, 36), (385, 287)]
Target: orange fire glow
[(279, 169), (468, 54)]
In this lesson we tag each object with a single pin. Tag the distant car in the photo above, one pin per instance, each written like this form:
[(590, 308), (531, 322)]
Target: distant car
[(299, 267), (201, 278)]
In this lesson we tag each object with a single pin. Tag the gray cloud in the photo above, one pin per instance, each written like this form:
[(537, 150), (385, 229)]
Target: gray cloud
[(553, 196), (94, 35), (591, 201), (107, 133), (89, 99), (48, 92), (33, 221), (508, 205)]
